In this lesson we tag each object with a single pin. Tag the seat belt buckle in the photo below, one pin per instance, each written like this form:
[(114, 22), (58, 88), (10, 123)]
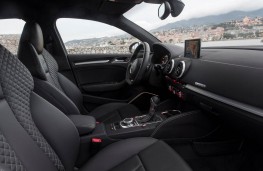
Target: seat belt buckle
[(96, 140), (95, 145)]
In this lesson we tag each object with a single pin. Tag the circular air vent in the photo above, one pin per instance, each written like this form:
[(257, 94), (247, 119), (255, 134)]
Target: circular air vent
[(169, 67), (180, 69)]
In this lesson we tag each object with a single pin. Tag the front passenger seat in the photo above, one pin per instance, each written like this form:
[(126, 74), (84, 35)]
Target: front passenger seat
[(36, 136), (56, 88)]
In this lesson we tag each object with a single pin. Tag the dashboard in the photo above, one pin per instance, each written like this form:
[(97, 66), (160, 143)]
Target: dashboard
[(227, 75)]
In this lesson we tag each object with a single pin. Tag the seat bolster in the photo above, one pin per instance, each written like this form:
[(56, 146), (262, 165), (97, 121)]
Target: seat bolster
[(113, 112), (31, 156), (58, 130), (116, 153), (137, 154), (161, 157), (72, 91), (55, 97), (1, 93)]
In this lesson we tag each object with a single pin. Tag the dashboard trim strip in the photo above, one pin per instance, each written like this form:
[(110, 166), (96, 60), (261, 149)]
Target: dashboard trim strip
[(239, 105)]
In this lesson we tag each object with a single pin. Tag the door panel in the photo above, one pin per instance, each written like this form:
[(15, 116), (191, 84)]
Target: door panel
[(101, 78), (99, 70), (100, 74)]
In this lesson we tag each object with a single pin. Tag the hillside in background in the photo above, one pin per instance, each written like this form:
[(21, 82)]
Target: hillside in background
[(208, 20), (212, 19), (236, 25), (92, 41)]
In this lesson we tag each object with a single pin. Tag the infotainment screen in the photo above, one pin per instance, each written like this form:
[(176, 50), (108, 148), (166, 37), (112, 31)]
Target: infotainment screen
[(192, 48)]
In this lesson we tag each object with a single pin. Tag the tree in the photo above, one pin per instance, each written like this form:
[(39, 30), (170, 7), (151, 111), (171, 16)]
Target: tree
[(258, 34), (229, 36)]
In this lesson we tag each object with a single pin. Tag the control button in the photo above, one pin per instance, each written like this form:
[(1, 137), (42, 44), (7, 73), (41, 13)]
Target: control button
[(128, 120), (144, 125)]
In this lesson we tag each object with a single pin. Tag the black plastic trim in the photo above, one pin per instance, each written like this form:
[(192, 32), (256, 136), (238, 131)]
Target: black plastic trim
[(236, 104)]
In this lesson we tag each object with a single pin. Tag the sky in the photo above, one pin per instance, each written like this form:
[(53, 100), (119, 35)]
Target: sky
[(145, 15), (11, 26)]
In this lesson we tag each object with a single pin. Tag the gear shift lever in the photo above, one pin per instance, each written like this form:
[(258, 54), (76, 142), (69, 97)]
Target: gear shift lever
[(155, 100)]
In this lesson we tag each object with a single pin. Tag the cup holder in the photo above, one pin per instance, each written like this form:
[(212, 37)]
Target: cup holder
[(170, 113)]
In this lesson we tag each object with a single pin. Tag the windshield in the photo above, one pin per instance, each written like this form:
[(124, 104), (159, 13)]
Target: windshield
[(216, 22)]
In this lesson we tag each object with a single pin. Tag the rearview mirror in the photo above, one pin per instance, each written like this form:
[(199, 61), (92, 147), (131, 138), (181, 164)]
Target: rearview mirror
[(164, 10), (177, 7)]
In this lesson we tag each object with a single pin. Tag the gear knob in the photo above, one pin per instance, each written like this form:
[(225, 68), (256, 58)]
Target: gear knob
[(155, 100)]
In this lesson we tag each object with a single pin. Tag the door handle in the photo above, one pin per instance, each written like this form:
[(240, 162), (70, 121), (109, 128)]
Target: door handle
[(119, 60)]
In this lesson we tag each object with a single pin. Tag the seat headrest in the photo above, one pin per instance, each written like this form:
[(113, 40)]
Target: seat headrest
[(33, 35), (31, 48)]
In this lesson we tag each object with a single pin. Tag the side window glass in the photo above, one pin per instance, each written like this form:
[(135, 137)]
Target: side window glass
[(10, 33), (91, 37)]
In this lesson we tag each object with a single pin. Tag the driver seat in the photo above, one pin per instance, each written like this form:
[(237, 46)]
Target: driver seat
[(56, 88)]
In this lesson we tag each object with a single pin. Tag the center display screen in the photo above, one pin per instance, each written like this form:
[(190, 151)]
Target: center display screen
[(192, 48)]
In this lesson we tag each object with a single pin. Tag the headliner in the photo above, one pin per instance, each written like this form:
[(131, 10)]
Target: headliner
[(33, 9)]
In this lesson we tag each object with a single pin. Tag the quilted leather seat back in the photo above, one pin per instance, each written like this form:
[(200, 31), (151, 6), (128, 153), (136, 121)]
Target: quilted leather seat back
[(17, 85), (33, 55), (8, 157)]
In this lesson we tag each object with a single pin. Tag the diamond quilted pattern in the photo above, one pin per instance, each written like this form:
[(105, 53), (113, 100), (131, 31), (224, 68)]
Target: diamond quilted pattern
[(8, 156), (53, 69), (17, 85)]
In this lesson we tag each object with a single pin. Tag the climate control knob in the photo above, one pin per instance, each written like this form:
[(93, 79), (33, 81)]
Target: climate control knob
[(128, 120)]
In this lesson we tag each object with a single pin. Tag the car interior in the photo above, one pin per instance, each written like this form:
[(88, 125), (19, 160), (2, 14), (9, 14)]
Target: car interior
[(160, 107)]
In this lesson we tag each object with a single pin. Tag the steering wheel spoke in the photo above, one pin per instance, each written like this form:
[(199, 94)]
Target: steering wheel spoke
[(138, 64)]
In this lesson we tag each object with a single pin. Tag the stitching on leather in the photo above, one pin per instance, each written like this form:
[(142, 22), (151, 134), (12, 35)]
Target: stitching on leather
[(141, 162), (18, 97), (172, 119), (8, 156), (52, 68), (144, 150)]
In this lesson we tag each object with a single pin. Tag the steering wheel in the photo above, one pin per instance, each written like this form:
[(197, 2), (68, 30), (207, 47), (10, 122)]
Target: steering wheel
[(138, 64)]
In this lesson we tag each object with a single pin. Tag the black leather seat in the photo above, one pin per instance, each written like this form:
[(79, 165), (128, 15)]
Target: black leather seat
[(55, 87), (36, 136)]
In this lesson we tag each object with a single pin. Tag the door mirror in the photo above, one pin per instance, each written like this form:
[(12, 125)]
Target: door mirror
[(133, 46), (164, 10)]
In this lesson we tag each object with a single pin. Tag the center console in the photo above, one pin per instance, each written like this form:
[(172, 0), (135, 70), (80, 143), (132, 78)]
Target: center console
[(136, 122), (162, 117), (142, 125), (133, 127), (137, 126)]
